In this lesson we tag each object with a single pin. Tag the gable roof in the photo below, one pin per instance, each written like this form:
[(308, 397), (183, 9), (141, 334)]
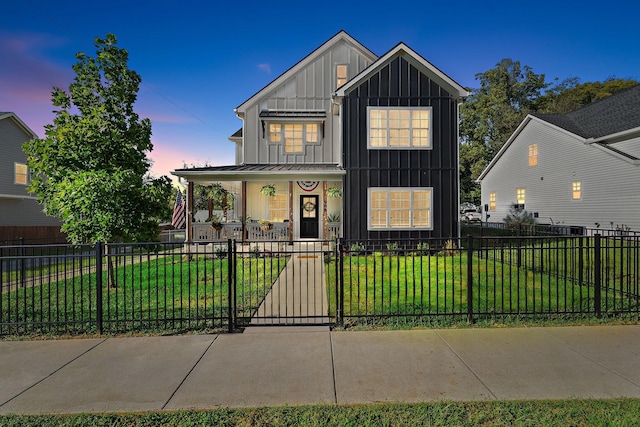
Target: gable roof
[(340, 36), (20, 123), (616, 113), (425, 66)]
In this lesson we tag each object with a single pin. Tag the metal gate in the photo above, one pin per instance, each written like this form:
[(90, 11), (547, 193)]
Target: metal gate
[(296, 291)]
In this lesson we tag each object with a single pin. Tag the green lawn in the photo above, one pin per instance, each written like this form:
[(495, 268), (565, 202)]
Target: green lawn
[(582, 412), (412, 284), (192, 292)]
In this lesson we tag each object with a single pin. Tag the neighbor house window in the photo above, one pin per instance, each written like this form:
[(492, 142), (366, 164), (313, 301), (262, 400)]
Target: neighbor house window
[(492, 201), (21, 174), (399, 127), (520, 196), (533, 155), (576, 188), (278, 207), (341, 75), (294, 135), (400, 208)]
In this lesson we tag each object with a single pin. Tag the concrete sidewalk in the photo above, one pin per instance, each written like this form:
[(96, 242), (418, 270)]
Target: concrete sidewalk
[(311, 365)]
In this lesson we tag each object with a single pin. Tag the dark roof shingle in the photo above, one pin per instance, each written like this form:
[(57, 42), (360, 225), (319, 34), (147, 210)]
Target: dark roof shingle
[(616, 113)]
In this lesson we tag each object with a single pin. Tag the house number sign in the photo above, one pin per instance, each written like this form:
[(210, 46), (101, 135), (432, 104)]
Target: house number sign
[(308, 185)]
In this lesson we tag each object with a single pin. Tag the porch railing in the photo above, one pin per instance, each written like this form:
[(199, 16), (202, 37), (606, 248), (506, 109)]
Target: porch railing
[(203, 232), (277, 231)]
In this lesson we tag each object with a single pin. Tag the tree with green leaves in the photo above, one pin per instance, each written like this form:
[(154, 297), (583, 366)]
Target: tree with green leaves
[(570, 94), (507, 93), (91, 170)]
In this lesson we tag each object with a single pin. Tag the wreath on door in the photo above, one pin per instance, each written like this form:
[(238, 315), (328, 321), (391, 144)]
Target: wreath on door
[(309, 207)]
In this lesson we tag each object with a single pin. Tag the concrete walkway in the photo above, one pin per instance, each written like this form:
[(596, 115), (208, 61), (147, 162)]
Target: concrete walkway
[(267, 366), (299, 294)]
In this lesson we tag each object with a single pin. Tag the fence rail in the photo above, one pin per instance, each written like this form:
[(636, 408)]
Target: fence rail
[(116, 288)]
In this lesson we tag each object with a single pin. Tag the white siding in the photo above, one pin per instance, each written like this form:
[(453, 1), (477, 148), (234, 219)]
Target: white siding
[(18, 207), (610, 191), (308, 89)]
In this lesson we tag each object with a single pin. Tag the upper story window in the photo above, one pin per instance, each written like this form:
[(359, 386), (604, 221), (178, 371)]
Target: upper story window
[(520, 193), (533, 155), (293, 135), (492, 201), (341, 75), (576, 190), (21, 174), (399, 127), (400, 208)]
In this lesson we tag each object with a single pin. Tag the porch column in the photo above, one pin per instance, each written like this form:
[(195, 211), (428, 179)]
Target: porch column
[(189, 214), (325, 229), (244, 211), (291, 211)]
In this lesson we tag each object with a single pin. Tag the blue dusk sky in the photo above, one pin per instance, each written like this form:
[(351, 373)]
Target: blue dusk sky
[(201, 59)]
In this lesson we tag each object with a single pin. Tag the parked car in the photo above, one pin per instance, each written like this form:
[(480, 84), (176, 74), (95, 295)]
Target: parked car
[(470, 215)]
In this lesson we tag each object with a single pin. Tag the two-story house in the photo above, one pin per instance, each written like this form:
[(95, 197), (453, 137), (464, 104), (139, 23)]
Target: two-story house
[(22, 216), (345, 135), (575, 169)]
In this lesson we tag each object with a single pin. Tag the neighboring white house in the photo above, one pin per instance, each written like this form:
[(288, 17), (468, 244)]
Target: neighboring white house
[(22, 216), (577, 169)]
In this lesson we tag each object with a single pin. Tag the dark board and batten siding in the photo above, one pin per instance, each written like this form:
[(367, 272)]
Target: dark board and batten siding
[(400, 83)]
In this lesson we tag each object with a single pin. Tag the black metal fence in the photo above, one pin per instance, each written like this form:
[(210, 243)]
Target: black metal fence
[(170, 287)]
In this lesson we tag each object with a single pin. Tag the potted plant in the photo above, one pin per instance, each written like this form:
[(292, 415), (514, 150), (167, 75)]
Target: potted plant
[(333, 217), (265, 225), (334, 192), (268, 190), (216, 222)]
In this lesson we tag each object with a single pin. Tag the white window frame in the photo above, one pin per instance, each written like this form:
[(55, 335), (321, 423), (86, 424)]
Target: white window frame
[(492, 200), (341, 80), (389, 211), (278, 206), (17, 165), (574, 190), (388, 128), (533, 155), (309, 136), (521, 201)]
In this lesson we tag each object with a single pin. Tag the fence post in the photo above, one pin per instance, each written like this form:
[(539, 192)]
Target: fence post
[(597, 276), (470, 278), (339, 282), (23, 267), (99, 287), (231, 267)]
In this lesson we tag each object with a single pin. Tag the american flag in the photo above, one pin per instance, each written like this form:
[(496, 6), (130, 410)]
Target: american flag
[(178, 220)]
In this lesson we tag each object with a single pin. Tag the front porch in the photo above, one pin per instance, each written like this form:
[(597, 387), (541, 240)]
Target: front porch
[(268, 203)]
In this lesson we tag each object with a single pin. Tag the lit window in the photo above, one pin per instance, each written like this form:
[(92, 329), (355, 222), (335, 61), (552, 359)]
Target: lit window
[(492, 201), (576, 187), (21, 174), (399, 127), (533, 155), (341, 75), (311, 131), (278, 207), (275, 132), (294, 135), (520, 196), (399, 208)]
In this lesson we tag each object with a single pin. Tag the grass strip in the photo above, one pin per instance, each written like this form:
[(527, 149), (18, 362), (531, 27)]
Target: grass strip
[(578, 412)]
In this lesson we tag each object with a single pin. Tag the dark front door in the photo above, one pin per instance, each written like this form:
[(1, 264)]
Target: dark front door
[(308, 217)]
